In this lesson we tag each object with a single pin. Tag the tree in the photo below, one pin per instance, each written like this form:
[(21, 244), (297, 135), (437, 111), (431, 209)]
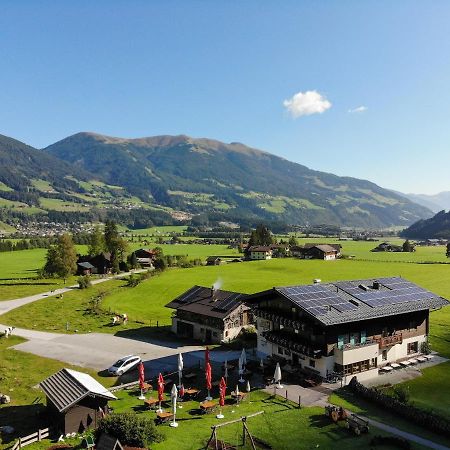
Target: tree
[(448, 250), (115, 245), (261, 236), (96, 242), (407, 246), (132, 261), (293, 241), (131, 430), (61, 259)]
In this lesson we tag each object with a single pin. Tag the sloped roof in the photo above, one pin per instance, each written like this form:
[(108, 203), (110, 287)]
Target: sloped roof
[(259, 248), (355, 300), (205, 301), (67, 387)]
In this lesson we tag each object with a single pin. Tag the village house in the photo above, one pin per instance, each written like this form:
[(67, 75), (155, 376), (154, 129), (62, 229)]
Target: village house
[(98, 264), (326, 252), (213, 261), (75, 401), (209, 315), (348, 327), (258, 252), (145, 257), (387, 247)]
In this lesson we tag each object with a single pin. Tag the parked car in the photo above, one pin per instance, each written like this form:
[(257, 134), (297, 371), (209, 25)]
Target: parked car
[(124, 365)]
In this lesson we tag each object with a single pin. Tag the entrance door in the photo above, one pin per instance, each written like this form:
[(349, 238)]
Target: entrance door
[(208, 336)]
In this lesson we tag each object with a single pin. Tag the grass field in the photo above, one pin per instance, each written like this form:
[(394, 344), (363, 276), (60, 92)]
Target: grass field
[(19, 374), (18, 274), (282, 425)]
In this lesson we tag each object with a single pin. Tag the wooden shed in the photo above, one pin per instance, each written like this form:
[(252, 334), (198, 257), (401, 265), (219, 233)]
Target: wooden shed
[(75, 401)]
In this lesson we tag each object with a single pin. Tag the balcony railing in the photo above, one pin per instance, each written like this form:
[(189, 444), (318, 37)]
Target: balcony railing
[(350, 346), (286, 341), (389, 341)]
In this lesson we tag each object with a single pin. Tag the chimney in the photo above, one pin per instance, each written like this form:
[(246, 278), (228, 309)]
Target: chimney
[(376, 285), (213, 293), (317, 280)]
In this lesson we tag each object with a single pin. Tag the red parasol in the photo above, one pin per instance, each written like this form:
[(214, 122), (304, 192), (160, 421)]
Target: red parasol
[(160, 388), (222, 391), (141, 375), (206, 356), (208, 376), (181, 391)]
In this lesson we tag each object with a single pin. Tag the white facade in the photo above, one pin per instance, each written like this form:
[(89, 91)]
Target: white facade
[(370, 355), (260, 255)]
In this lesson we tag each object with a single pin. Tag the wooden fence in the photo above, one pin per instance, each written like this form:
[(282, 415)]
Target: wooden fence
[(30, 439)]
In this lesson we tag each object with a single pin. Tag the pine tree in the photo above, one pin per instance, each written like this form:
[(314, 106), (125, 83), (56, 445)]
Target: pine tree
[(293, 241)]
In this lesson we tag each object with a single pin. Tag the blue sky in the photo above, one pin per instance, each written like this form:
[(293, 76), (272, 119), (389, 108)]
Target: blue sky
[(230, 69)]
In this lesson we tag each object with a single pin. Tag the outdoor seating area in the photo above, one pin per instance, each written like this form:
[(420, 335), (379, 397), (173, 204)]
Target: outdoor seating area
[(417, 360)]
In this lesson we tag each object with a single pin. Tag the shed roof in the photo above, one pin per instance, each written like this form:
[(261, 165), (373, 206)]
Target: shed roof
[(355, 300), (67, 387)]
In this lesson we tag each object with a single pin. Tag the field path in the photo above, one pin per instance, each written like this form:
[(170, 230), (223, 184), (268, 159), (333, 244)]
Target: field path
[(9, 305)]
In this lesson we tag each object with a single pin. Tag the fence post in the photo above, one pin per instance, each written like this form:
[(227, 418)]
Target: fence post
[(299, 398), (20, 442), (39, 435)]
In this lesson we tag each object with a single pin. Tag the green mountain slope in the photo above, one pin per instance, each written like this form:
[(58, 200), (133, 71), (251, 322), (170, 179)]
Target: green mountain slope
[(233, 181), (437, 227), (34, 184)]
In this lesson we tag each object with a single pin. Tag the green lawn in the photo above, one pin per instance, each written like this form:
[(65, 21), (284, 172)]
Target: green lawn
[(282, 425), (19, 374), (18, 274)]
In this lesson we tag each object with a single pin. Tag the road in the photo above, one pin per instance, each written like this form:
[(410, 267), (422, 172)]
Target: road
[(9, 305)]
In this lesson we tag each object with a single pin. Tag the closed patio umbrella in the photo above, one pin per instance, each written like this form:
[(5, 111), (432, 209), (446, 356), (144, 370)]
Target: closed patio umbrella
[(173, 397), (160, 391), (277, 376), (180, 369), (141, 380)]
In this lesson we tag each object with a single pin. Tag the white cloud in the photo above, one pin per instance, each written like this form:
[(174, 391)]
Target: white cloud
[(306, 103), (359, 109)]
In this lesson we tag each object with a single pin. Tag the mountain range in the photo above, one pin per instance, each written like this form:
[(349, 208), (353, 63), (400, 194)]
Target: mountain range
[(435, 202), (186, 178)]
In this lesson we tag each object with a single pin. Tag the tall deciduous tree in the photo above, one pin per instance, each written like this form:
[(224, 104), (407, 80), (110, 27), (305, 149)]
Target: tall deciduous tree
[(96, 242), (61, 259), (114, 244)]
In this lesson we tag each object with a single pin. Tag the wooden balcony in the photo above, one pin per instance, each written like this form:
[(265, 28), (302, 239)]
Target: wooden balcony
[(389, 341)]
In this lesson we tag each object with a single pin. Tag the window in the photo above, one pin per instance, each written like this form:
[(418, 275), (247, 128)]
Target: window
[(413, 347), (280, 350), (384, 355), (202, 330), (312, 363), (226, 333)]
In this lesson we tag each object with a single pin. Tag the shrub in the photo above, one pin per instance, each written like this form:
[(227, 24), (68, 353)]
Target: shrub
[(401, 393), (133, 280), (425, 348), (84, 282), (130, 429)]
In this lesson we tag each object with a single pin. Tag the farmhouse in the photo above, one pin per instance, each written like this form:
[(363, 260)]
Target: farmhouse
[(145, 257), (318, 251), (387, 247), (257, 252), (210, 315), (213, 261), (75, 401), (348, 327), (100, 264)]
